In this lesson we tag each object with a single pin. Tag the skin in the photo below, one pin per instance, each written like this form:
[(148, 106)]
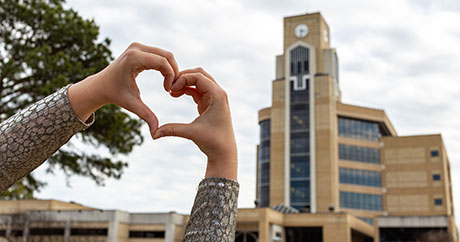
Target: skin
[(211, 131)]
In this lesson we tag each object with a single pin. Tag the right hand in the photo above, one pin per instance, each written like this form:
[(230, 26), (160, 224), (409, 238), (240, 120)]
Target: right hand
[(212, 130)]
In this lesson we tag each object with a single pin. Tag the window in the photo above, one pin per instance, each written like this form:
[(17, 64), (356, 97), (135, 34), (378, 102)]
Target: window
[(359, 129), (88, 232), (46, 231), (246, 236), (434, 153), (361, 201), (360, 177), (438, 201), (300, 120), (300, 167), (436, 177), (367, 220), (146, 234), (357, 153), (300, 143), (264, 164)]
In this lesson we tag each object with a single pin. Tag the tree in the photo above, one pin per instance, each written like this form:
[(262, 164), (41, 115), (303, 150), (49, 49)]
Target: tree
[(43, 47)]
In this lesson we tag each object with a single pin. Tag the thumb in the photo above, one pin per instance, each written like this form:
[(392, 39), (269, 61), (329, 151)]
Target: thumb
[(174, 129), (144, 112)]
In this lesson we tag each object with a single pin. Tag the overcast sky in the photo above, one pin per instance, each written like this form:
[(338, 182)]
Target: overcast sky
[(397, 55)]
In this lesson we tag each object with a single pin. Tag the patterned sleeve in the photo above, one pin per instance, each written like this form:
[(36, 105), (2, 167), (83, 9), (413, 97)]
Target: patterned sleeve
[(213, 216), (32, 135)]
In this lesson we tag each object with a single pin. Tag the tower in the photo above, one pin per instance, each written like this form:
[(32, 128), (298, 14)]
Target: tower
[(293, 168)]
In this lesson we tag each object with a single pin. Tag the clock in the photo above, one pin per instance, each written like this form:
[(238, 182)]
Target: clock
[(301, 30)]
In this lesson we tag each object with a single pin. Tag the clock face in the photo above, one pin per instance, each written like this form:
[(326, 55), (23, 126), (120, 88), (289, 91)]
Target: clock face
[(326, 36), (301, 30)]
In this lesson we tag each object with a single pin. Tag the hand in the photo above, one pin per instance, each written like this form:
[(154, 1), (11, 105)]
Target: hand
[(116, 84), (212, 131)]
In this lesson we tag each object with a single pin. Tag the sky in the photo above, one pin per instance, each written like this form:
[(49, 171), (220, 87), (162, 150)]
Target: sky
[(398, 55)]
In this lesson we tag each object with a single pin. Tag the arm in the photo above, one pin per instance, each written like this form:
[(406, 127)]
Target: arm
[(32, 135), (213, 216)]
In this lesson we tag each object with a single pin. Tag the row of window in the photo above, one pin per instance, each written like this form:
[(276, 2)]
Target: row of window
[(58, 231), (359, 129), (360, 177), (299, 130), (264, 164), (361, 201), (358, 153)]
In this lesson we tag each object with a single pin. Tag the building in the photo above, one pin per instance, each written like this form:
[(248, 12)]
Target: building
[(56, 221), (326, 171), (324, 158)]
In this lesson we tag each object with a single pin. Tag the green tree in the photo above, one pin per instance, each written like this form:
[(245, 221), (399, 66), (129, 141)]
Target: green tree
[(43, 47)]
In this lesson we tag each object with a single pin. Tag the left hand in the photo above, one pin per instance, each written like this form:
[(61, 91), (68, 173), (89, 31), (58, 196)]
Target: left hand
[(116, 84)]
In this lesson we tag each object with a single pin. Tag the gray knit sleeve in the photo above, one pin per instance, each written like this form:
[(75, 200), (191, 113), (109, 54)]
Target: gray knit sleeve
[(33, 134), (213, 216)]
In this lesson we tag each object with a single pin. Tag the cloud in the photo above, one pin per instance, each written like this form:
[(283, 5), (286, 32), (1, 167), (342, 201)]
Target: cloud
[(399, 55)]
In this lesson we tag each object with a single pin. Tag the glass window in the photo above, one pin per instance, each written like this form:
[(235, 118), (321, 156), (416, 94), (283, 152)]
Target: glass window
[(358, 153), (300, 167), (300, 143), (434, 153), (359, 129), (438, 201), (300, 191), (360, 177), (264, 130), (361, 201), (367, 220), (300, 120), (299, 96), (436, 177), (264, 164)]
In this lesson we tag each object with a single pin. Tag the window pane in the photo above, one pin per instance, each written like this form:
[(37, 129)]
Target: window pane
[(360, 177), (300, 167), (361, 201), (357, 153), (359, 129)]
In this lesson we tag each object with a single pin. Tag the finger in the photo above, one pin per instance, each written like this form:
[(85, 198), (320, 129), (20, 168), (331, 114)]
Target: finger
[(144, 112), (154, 50), (200, 70), (194, 93), (202, 83), (190, 91), (174, 129), (148, 61)]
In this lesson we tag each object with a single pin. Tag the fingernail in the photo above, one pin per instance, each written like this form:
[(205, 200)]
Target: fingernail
[(158, 135)]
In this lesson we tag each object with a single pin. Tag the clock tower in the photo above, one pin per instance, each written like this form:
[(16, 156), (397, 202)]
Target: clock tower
[(297, 172)]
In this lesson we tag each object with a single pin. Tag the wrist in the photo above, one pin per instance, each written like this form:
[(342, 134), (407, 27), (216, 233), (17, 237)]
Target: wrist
[(85, 97), (222, 166)]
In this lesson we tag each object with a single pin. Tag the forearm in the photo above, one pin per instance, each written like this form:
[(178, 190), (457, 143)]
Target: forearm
[(32, 135), (213, 216)]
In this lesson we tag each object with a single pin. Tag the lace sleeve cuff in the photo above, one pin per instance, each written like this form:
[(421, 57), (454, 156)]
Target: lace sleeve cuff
[(213, 216)]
